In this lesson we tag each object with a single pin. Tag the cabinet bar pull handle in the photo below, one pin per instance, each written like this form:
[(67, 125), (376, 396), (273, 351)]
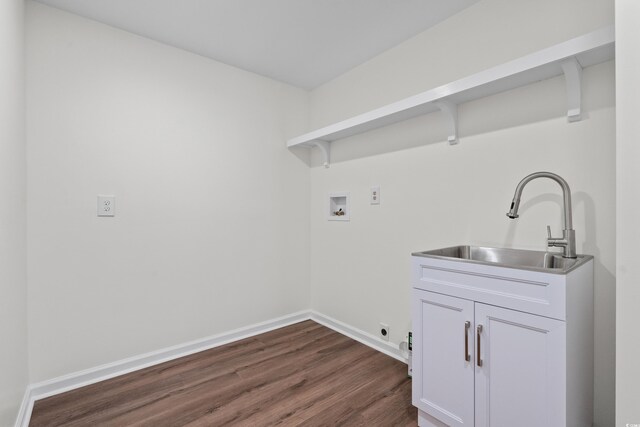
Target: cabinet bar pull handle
[(478, 332), (467, 356)]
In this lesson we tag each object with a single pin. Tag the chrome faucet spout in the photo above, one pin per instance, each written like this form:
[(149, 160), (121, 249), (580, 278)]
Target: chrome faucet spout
[(568, 241)]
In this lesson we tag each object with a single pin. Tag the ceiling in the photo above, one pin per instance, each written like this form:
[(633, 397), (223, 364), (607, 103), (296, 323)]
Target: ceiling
[(304, 43)]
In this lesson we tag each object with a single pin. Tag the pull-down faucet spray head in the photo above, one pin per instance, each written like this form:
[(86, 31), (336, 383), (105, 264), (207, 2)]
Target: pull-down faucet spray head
[(568, 240), (513, 211)]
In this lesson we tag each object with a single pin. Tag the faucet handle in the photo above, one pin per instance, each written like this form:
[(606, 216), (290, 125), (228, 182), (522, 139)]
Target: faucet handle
[(549, 231)]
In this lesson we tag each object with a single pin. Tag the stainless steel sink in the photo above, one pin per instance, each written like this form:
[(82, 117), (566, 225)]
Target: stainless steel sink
[(513, 258)]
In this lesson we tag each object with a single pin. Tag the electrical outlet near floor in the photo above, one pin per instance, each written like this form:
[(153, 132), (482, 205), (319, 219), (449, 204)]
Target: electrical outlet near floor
[(384, 331)]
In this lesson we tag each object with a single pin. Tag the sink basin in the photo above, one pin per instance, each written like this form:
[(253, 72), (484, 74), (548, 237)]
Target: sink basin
[(513, 258)]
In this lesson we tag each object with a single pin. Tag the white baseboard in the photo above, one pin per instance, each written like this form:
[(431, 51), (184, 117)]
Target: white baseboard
[(358, 335), (110, 370), (24, 413)]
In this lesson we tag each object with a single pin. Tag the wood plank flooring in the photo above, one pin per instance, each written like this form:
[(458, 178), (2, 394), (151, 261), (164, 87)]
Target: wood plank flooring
[(304, 374)]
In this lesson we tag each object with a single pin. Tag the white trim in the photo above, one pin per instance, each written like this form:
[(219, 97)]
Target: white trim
[(358, 335), (79, 379), (110, 370), (24, 414)]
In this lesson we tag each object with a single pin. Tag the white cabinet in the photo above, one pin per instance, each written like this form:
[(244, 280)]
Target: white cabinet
[(478, 362), (443, 383), (521, 377)]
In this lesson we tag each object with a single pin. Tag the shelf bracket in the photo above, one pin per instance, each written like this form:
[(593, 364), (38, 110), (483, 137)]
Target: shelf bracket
[(325, 149), (573, 77), (450, 110)]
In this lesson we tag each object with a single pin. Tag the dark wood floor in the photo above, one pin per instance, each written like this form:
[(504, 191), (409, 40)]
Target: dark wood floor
[(304, 374)]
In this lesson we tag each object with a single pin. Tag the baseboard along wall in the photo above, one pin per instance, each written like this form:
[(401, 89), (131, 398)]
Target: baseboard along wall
[(83, 378)]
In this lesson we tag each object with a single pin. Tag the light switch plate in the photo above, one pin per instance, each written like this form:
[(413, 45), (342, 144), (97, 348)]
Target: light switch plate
[(106, 205)]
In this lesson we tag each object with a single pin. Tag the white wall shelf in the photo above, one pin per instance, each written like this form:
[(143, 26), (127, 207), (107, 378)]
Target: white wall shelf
[(567, 58)]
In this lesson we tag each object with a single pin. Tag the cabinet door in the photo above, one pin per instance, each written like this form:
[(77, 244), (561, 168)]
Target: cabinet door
[(520, 377), (443, 370)]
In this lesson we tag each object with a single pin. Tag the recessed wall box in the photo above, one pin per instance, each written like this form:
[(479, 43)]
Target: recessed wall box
[(338, 207)]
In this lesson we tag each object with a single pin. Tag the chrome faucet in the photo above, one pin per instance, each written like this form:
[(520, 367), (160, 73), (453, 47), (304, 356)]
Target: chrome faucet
[(568, 240)]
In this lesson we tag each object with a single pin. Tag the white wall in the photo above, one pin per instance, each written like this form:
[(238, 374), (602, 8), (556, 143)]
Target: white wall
[(13, 285), (434, 195), (211, 231), (628, 206)]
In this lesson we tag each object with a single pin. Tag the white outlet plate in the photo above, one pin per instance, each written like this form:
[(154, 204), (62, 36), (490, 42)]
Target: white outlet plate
[(384, 327), (106, 205), (374, 195)]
